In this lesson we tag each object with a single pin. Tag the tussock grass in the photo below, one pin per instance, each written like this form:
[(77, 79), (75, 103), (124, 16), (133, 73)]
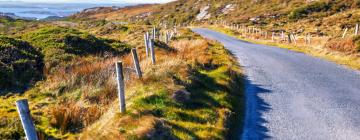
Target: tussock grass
[(342, 45), (203, 68)]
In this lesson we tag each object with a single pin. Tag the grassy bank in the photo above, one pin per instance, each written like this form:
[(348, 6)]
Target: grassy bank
[(193, 92), (351, 60)]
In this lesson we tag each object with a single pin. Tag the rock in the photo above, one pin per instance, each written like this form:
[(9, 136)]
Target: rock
[(181, 96), (227, 9), (203, 13)]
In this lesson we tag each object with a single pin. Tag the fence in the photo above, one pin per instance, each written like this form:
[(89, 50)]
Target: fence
[(149, 43), (279, 35)]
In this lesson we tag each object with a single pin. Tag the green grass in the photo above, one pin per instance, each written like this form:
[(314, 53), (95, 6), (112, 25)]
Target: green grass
[(216, 100)]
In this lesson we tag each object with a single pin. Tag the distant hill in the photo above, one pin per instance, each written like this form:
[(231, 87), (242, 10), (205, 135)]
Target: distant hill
[(296, 15)]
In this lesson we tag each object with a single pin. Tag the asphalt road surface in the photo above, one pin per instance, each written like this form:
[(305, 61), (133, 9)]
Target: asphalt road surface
[(293, 96)]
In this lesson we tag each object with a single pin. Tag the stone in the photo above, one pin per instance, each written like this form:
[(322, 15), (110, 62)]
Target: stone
[(181, 95)]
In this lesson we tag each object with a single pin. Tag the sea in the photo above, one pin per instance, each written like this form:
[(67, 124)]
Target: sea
[(29, 10)]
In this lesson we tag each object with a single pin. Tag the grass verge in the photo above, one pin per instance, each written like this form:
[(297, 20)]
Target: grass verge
[(350, 60)]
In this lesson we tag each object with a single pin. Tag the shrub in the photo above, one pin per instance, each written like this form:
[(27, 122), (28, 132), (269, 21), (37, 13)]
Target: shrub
[(10, 128), (20, 64), (303, 11), (66, 117), (60, 45), (344, 45), (356, 41), (70, 117)]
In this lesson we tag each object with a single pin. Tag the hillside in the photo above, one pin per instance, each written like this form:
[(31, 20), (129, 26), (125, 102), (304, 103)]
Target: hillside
[(268, 14), (66, 68), (330, 23), (188, 94), (79, 99)]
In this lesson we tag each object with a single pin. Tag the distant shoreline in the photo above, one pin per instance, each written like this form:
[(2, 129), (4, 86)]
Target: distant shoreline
[(40, 11)]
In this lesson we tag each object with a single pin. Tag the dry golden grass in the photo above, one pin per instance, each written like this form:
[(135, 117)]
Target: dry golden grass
[(70, 116), (123, 14), (113, 126), (192, 50), (342, 45), (139, 122)]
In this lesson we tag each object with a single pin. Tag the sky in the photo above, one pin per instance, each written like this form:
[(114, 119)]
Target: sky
[(95, 1)]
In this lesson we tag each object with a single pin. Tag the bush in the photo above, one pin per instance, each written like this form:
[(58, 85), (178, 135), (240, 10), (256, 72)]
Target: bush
[(344, 45), (70, 117), (20, 64), (60, 45), (356, 41), (10, 128), (303, 11)]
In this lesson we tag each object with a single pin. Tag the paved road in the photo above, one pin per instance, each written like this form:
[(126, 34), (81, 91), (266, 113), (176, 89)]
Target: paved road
[(293, 96)]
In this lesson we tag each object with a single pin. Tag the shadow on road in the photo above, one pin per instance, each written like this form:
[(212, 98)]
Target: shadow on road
[(255, 108)]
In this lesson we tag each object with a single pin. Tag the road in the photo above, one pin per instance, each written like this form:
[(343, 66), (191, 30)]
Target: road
[(294, 96)]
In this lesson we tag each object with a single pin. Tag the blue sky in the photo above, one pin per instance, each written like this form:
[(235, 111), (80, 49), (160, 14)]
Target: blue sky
[(95, 1)]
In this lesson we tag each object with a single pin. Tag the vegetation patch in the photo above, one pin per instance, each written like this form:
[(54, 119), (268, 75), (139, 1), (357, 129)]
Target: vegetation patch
[(193, 92), (305, 10), (20, 65), (356, 41), (61, 45), (347, 45)]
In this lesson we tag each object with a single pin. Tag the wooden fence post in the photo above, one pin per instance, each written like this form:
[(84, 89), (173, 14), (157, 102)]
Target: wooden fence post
[(272, 36), (154, 33), (26, 121), (167, 37), (266, 34), (289, 38), (146, 41), (307, 38), (152, 51), (343, 36), (293, 37), (136, 63), (121, 86), (356, 29), (171, 35)]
